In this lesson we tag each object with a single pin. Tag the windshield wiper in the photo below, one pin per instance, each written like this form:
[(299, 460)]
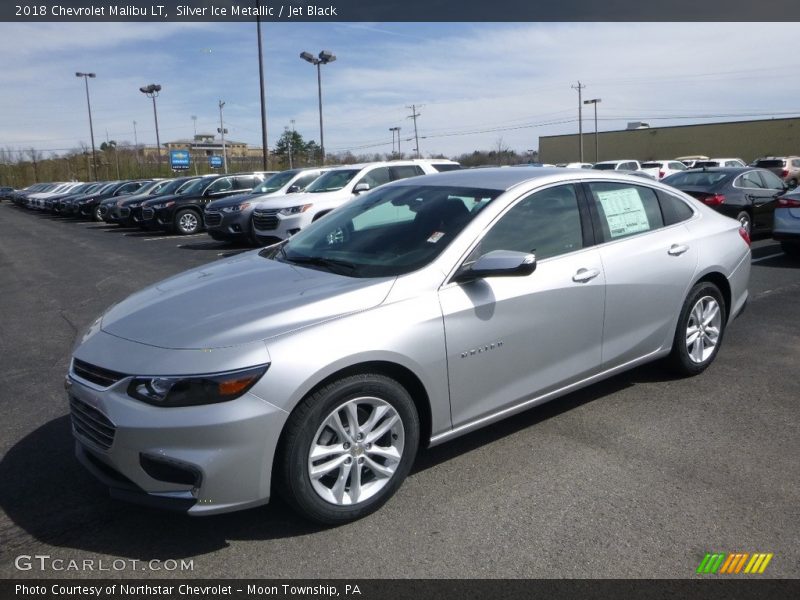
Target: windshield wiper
[(333, 265)]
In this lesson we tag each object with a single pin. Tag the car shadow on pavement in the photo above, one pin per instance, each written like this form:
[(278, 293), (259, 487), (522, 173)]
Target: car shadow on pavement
[(49, 495), (649, 373), (52, 498)]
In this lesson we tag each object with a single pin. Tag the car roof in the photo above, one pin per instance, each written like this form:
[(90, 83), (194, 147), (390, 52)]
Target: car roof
[(499, 178)]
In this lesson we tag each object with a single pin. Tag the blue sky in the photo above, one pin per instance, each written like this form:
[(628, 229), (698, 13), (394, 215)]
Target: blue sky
[(477, 85)]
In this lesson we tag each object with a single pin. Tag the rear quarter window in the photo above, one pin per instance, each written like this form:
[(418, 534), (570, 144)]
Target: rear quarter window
[(673, 209)]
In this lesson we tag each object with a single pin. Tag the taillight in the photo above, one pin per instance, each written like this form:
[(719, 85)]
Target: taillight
[(713, 199), (785, 202), (745, 235), (784, 173), (661, 174)]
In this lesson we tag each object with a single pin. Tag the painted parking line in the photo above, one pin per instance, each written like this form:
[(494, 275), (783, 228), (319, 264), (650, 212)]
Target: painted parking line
[(758, 260), (171, 237)]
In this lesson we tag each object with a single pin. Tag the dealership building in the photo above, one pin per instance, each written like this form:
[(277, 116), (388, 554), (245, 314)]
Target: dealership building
[(747, 140)]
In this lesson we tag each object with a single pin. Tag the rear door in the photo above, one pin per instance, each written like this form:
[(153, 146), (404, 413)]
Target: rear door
[(762, 197), (648, 267)]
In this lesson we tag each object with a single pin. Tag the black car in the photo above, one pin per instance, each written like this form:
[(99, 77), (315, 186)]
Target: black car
[(5, 192), (183, 213), (746, 194), (126, 212), (51, 202), (88, 206)]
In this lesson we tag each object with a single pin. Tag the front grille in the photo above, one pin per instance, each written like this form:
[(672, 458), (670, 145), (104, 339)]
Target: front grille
[(265, 220), (95, 374), (213, 219), (147, 214), (91, 424)]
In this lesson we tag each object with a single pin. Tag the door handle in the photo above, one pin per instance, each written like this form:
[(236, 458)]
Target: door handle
[(584, 275), (677, 249)]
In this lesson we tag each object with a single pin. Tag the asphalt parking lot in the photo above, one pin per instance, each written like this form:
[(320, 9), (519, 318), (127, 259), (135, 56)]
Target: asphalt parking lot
[(638, 476)]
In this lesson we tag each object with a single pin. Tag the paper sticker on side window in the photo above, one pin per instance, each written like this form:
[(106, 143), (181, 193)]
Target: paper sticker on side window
[(624, 211)]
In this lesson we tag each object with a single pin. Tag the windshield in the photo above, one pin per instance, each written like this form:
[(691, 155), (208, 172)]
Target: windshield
[(148, 188), (388, 232), (195, 186), (275, 182), (605, 166), (167, 187), (106, 188), (332, 180), (696, 179)]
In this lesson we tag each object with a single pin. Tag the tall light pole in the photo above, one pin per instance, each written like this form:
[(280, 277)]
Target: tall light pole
[(289, 144), (264, 148), (393, 130), (324, 58), (151, 91), (222, 132), (86, 77), (580, 87), (594, 101)]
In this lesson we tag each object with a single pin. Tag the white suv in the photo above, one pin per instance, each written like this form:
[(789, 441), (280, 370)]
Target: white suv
[(662, 168), (278, 218), (617, 165)]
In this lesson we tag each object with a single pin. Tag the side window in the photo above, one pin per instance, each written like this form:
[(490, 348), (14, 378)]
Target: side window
[(247, 182), (375, 177), (796, 163), (673, 209), (677, 166), (304, 180), (223, 184), (772, 181), (625, 210), (547, 223), (750, 179), (405, 171)]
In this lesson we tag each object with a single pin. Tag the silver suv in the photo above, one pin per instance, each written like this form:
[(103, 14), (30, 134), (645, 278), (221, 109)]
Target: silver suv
[(785, 167)]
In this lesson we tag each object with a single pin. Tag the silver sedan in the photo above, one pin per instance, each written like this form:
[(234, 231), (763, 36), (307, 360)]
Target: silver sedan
[(411, 315)]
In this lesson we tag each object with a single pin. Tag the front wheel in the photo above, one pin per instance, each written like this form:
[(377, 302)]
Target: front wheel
[(348, 447), (96, 214), (187, 222), (701, 325)]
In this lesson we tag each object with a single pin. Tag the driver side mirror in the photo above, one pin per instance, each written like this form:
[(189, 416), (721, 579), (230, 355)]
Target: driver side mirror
[(498, 263), (361, 187)]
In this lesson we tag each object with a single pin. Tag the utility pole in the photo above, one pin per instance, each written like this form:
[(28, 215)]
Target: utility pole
[(414, 114), (192, 145), (580, 87), (222, 133), (136, 150), (289, 144)]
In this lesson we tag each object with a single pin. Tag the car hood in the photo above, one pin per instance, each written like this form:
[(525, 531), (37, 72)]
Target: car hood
[(231, 200), (159, 199), (238, 301), (284, 200)]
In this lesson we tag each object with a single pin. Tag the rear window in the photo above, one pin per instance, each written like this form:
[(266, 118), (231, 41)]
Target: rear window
[(442, 167), (770, 164), (605, 166), (651, 165), (695, 179)]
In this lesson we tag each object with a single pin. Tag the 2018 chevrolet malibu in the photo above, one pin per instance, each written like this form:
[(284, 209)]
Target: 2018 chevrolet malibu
[(413, 314)]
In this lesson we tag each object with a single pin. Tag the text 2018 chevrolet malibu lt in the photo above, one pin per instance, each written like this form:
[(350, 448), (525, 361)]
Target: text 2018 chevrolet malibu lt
[(413, 314)]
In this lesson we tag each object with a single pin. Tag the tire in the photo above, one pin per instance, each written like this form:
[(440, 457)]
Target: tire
[(96, 216), (693, 349), (744, 219), (793, 182), (187, 222), (791, 249), (381, 457)]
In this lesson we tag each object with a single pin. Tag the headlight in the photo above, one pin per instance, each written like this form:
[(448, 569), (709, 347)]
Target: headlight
[(120, 203), (134, 204), (293, 210), (235, 208), (164, 204), (195, 390)]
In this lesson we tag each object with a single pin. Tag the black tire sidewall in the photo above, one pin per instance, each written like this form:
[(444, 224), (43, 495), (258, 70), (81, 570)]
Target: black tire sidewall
[(303, 424), (178, 216), (749, 220), (680, 355)]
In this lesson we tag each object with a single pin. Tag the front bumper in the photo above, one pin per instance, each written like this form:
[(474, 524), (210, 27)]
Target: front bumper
[(201, 459), (228, 226), (270, 224), (786, 224)]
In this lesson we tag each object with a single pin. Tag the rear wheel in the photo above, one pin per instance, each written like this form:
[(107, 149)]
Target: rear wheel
[(701, 325), (187, 222), (96, 215), (348, 447), (744, 220)]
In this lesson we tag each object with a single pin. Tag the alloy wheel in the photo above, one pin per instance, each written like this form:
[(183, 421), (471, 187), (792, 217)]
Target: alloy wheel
[(703, 329)]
